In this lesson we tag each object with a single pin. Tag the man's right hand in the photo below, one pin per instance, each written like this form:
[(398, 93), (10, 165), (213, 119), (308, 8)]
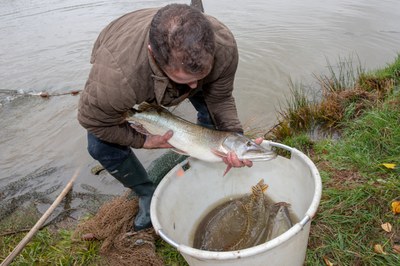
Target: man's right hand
[(157, 141)]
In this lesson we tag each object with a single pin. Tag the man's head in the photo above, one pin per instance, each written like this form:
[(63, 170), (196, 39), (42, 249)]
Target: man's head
[(182, 42)]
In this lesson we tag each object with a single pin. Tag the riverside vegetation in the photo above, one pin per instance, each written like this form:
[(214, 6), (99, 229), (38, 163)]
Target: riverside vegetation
[(351, 131)]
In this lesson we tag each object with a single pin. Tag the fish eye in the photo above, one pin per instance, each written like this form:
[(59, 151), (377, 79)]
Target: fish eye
[(248, 144)]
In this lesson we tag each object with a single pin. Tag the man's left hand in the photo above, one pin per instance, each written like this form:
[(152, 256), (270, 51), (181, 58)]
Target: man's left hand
[(233, 161), (157, 141)]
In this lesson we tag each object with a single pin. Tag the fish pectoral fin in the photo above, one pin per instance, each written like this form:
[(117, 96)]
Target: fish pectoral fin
[(222, 155), (228, 167), (139, 128), (179, 152), (219, 153)]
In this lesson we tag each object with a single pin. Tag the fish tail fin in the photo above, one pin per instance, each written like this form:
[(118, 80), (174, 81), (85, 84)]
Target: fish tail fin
[(258, 189), (260, 186)]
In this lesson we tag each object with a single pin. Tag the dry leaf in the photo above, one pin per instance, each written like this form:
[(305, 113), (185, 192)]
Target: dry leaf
[(379, 249), (327, 262), (44, 95), (389, 165), (396, 249), (396, 207), (180, 172), (387, 227)]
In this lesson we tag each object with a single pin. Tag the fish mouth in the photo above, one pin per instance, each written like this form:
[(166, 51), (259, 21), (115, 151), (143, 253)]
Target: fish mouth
[(247, 149), (260, 155)]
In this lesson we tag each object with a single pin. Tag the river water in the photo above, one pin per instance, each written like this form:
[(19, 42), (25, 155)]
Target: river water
[(45, 46)]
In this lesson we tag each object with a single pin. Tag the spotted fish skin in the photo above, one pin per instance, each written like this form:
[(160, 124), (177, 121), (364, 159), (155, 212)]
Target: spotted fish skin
[(257, 214)]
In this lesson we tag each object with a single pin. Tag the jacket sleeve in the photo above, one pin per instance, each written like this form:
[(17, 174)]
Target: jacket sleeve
[(106, 98), (218, 93)]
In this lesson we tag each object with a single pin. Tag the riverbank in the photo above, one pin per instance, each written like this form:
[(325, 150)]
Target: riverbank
[(351, 131), (358, 158)]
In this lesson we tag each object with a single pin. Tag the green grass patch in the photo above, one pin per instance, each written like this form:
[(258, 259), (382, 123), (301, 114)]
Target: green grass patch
[(169, 254), (371, 140), (51, 248)]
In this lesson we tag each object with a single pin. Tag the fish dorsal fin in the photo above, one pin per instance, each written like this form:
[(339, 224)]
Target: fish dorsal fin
[(145, 106)]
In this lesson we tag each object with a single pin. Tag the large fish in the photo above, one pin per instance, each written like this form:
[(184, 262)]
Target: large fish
[(194, 140), (236, 224)]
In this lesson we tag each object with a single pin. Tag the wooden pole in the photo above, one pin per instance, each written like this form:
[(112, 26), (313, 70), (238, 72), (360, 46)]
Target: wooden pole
[(39, 223)]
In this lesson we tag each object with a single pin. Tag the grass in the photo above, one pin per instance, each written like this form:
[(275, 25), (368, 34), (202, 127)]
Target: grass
[(52, 248), (49, 246), (371, 140), (169, 254), (349, 132)]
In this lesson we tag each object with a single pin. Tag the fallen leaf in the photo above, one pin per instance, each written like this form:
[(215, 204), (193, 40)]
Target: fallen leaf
[(327, 262), (387, 227), (389, 165), (379, 249), (44, 95), (396, 207), (396, 249), (180, 172)]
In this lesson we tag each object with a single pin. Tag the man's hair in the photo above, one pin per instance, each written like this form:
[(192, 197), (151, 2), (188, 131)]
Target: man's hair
[(181, 37)]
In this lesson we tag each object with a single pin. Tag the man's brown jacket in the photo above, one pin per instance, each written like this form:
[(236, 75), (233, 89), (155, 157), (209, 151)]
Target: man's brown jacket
[(124, 74)]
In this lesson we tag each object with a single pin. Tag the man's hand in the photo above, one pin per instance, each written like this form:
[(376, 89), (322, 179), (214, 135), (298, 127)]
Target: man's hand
[(233, 161), (157, 141)]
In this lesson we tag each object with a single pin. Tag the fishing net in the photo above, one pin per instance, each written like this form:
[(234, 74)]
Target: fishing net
[(112, 225), (113, 221)]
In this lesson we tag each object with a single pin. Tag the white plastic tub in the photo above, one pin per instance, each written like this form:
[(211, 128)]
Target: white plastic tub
[(184, 196)]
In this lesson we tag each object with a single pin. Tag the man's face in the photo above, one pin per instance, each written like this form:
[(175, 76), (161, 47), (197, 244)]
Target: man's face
[(178, 75), (181, 77)]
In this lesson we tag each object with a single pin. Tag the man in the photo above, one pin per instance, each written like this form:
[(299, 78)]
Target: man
[(161, 56)]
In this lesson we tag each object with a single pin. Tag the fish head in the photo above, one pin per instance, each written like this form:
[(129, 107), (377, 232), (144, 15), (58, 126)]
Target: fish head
[(246, 149)]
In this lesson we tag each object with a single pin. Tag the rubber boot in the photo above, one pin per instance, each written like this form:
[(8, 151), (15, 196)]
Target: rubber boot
[(142, 219), (132, 175)]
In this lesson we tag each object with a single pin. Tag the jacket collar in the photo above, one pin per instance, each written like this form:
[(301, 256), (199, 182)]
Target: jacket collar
[(160, 80)]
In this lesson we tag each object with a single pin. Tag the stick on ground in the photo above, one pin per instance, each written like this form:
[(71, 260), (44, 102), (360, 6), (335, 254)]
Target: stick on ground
[(40, 222)]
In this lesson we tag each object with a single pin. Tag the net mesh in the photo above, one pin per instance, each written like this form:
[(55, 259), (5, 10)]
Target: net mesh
[(112, 225)]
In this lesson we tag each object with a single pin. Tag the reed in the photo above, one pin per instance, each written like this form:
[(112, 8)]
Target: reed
[(346, 92)]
